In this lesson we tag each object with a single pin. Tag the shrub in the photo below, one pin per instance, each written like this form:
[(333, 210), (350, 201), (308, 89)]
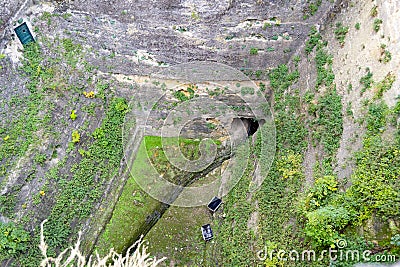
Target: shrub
[(40, 158), (314, 38), (386, 56), (290, 166), (13, 239), (247, 91), (374, 11), (254, 51), (366, 81), (357, 26), (377, 24), (76, 137), (340, 32), (312, 8), (185, 95), (384, 85), (325, 73), (320, 192), (375, 188), (323, 225), (376, 118), (73, 115)]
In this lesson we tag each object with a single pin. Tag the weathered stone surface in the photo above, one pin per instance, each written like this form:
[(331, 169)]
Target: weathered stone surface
[(140, 38)]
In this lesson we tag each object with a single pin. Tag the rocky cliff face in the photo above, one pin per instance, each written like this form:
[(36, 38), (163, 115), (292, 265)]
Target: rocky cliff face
[(64, 105)]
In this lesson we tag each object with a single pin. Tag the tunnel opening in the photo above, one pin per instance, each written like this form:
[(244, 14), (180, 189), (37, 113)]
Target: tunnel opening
[(251, 125)]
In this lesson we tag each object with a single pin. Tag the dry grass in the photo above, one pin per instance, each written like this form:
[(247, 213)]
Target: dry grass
[(73, 257)]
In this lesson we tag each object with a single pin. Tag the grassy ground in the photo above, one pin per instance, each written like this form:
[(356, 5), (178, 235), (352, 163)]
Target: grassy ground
[(177, 236), (136, 210)]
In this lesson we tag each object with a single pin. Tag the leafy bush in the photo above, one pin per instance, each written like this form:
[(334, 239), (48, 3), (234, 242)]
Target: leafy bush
[(13, 239), (324, 224), (254, 51), (374, 11), (384, 85), (386, 56), (325, 73), (185, 95), (40, 158), (340, 32), (374, 182), (357, 26), (366, 80), (312, 8), (377, 24), (73, 115), (247, 91), (376, 117), (76, 137), (318, 194), (290, 165), (314, 38)]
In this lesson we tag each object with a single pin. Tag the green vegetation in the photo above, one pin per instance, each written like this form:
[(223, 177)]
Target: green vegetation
[(13, 240), (78, 194), (329, 211), (323, 225), (40, 158), (247, 90), (254, 51), (75, 188), (233, 235), (236, 243), (366, 81), (19, 136), (76, 137), (328, 125), (377, 24), (131, 212), (374, 11), (312, 8), (73, 115), (325, 74), (357, 26), (186, 95), (313, 40), (386, 56), (340, 32), (384, 85)]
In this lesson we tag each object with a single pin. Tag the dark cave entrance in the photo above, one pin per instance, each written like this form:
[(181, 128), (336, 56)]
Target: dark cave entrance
[(251, 125)]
